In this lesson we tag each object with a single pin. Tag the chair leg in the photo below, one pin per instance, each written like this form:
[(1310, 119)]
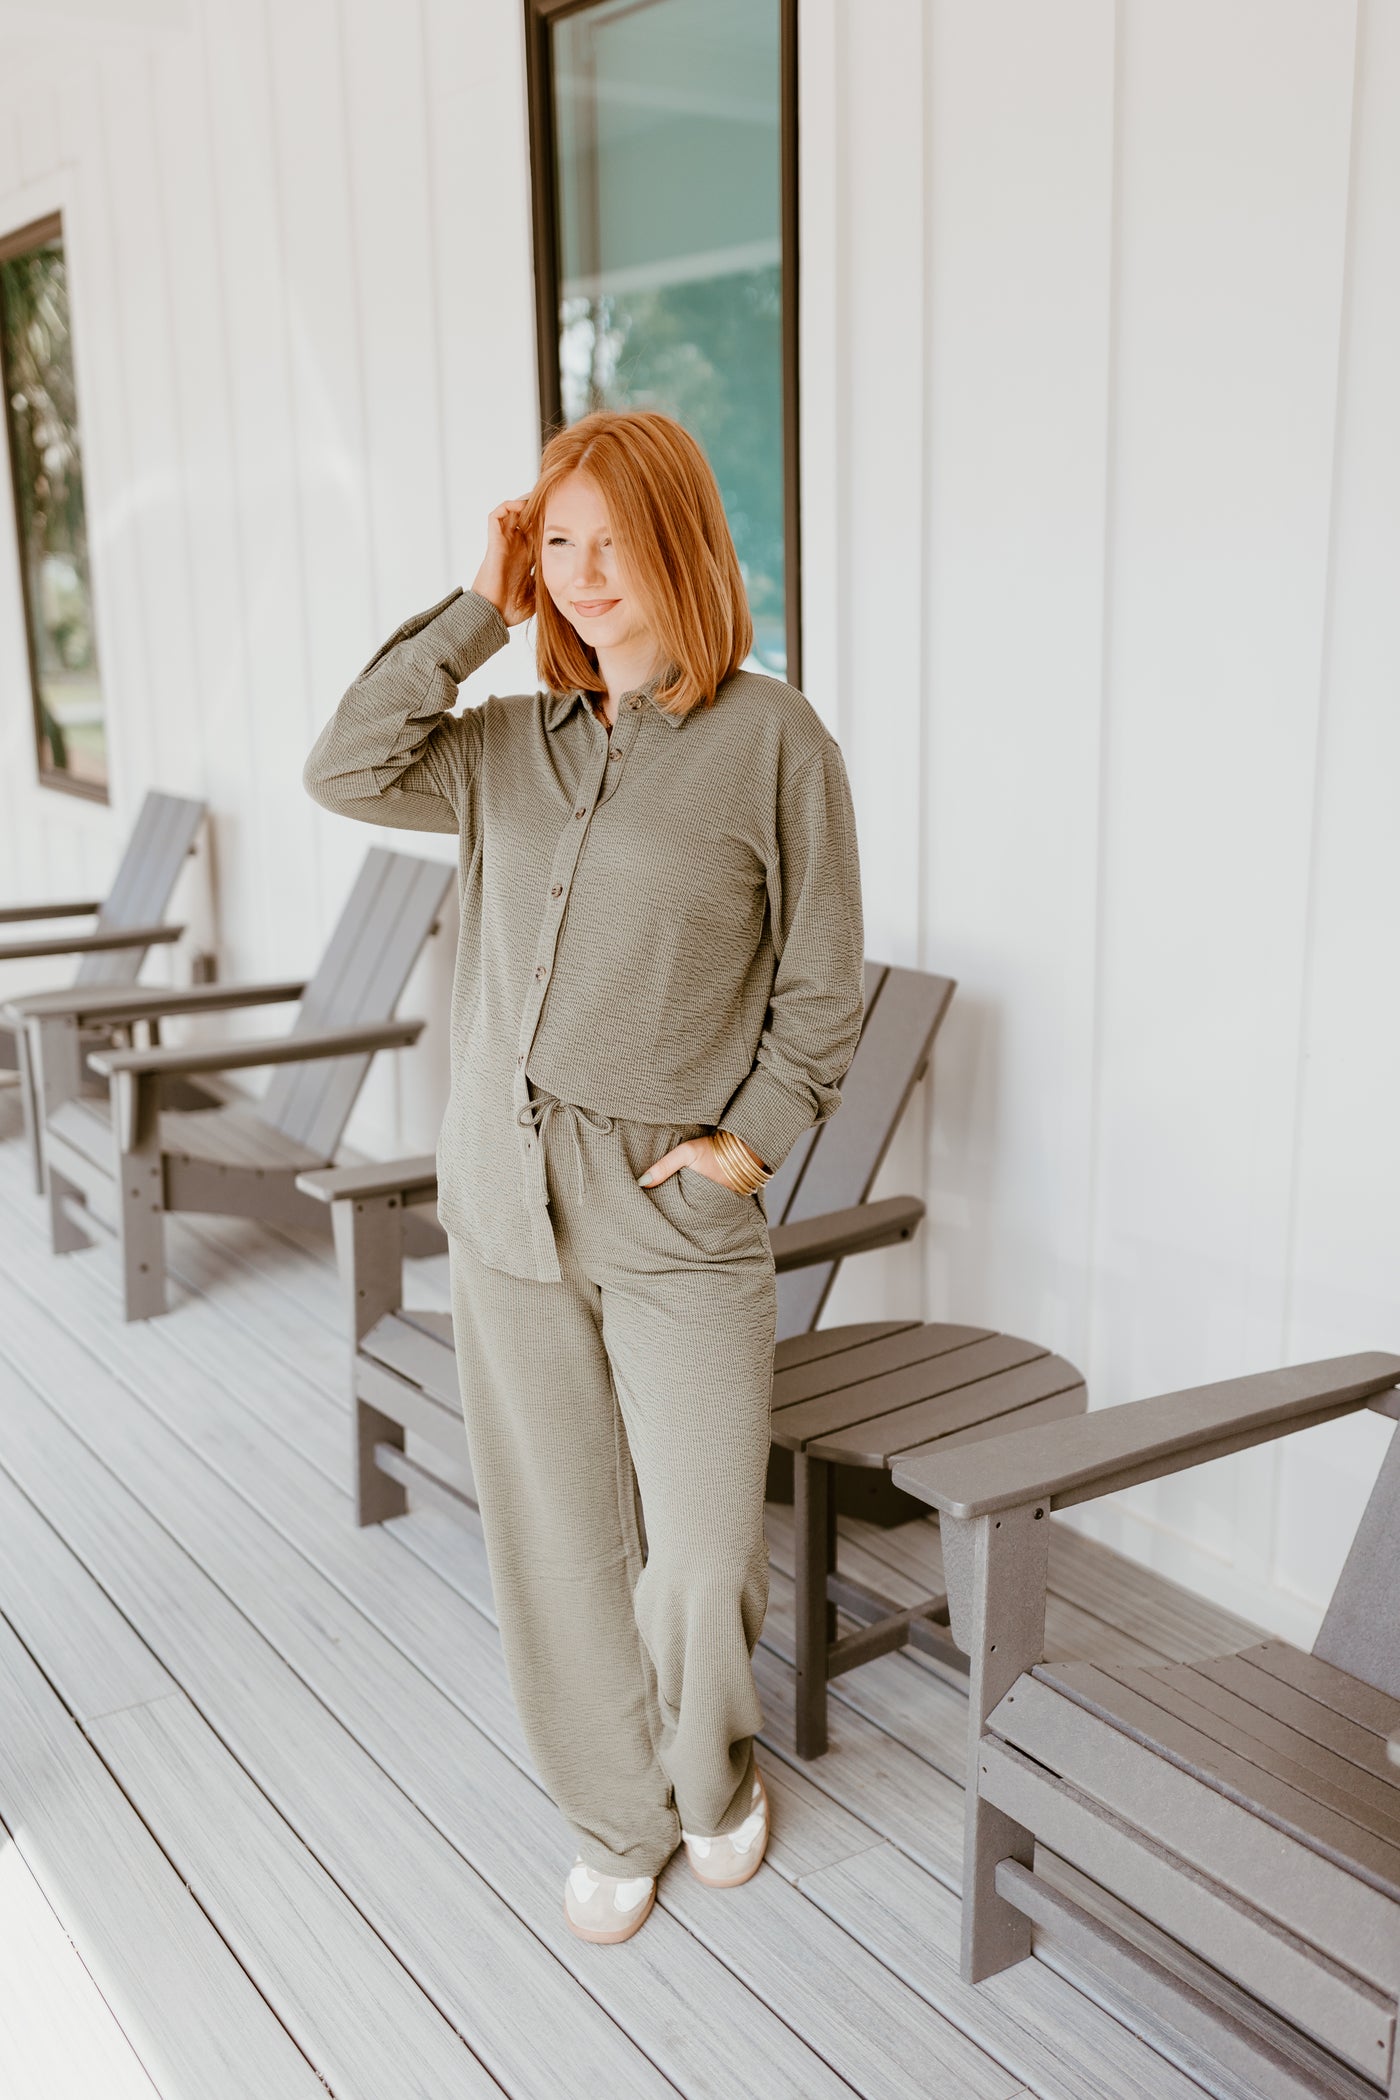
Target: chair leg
[(996, 1569), (814, 1530), (66, 1235), (139, 1192), (141, 1233), (377, 1496), (369, 1236), (29, 1104), (830, 1547), (50, 1068)]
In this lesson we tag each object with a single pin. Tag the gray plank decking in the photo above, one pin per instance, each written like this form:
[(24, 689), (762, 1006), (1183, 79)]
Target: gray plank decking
[(265, 1806)]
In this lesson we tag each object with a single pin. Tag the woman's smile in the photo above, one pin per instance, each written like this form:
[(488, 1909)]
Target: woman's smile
[(591, 607)]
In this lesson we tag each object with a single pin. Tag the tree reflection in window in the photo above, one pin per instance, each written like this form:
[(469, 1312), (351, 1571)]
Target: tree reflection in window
[(41, 413)]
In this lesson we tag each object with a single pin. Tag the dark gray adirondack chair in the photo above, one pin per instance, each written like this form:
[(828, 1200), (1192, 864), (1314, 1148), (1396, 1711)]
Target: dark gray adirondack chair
[(129, 922), (124, 1164), (404, 1369), (1210, 1848)]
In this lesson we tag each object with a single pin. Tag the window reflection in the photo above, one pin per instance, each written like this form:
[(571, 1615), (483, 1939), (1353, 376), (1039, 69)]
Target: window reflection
[(668, 139), (36, 369)]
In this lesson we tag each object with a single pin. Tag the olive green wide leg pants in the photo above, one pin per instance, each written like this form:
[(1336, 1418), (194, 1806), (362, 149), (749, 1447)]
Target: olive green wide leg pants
[(638, 1386)]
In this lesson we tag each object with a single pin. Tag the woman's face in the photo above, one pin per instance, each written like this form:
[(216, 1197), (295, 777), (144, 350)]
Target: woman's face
[(581, 571)]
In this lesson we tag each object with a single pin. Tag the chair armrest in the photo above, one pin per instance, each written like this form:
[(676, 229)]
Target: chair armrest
[(413, 1180), (1085, 1456), (16, 914), (144, 1002), (852, 1231), (271, 1050), (89, 943), (836, 1232)]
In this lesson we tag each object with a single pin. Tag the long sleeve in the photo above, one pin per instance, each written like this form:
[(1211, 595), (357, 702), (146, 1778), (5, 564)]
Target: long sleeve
[(818, 999), (391, 753)]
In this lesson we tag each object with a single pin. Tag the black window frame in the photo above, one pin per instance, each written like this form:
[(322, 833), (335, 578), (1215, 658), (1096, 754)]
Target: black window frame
[(540, 18), (19, 240)]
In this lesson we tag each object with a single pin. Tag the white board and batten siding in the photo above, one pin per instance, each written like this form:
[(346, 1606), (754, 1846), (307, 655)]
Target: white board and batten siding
[(1101, 515)]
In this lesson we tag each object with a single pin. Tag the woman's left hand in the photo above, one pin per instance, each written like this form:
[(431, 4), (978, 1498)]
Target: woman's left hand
[(697, 1152)]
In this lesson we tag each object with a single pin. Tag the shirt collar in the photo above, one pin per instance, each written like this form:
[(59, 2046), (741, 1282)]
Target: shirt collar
[(559, 706)]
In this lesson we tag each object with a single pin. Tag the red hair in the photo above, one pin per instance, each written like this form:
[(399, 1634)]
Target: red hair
[(674, 549)]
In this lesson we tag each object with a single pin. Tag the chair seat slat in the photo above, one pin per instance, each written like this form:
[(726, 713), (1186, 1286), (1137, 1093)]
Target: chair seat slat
[(1304, 1715), (1273, 1800), (1323, 1900), (1372, 1799), (408, 1351), (1330, 1686)]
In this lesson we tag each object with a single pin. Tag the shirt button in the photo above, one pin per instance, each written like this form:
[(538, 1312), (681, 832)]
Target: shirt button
[(580, 812), (614, 753), (521, 1059), (540, 971), (557, 890)]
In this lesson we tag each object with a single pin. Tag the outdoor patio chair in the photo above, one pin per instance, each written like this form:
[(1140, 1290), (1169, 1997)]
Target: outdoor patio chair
[(1212, 1849), (404, 1375), (129, 922), (125, 1163)]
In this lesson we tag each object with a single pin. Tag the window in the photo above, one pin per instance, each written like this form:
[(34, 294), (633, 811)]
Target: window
[(664, 147), (41, 417)]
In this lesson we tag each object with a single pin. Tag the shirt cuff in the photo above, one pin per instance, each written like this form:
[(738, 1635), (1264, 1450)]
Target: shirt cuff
[(468, 630), (765, 1116)]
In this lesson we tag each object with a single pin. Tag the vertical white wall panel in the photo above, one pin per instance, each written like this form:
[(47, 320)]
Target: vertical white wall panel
[(327, 407), (219, 685), (248, 177), (1020, 132), (36, 126), (166, 735), (397, 303), (484, 294), (876, 708), (1232, 214), (881, 53), (1345, 1257)]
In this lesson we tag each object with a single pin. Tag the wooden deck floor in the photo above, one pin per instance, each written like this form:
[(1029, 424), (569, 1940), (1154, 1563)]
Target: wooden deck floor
[(269, 1826)]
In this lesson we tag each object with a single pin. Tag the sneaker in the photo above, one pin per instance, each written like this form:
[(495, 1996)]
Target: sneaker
[(605, 1907), (723, 1862)]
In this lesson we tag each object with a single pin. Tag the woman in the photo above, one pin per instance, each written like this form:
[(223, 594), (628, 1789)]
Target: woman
[(659, 987)]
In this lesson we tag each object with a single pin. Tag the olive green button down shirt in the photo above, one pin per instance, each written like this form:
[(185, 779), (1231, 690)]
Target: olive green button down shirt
[(663, 923)]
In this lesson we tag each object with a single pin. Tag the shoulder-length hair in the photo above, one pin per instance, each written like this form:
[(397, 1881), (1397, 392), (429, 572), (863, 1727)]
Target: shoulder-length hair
[(673, 546)]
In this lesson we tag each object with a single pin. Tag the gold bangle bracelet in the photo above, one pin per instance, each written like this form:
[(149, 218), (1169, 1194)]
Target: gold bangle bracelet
[(737, 1159), (751, 1160), (744, 1156), (736, 1171)]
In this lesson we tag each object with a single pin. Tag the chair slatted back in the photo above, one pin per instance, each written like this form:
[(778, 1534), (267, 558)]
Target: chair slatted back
[(376, 941), (161, 837), (835, 1163), (1361, 1631)]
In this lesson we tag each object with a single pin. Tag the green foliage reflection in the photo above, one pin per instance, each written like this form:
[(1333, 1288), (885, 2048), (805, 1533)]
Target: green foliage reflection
[(36, 362)]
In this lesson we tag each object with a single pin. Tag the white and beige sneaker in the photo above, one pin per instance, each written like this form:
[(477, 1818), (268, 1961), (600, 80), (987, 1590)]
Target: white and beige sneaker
[(606, 1907), (723, 1862)]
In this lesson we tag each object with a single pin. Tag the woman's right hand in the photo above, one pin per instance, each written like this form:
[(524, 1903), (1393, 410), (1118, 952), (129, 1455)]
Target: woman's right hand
[(506, 576)]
